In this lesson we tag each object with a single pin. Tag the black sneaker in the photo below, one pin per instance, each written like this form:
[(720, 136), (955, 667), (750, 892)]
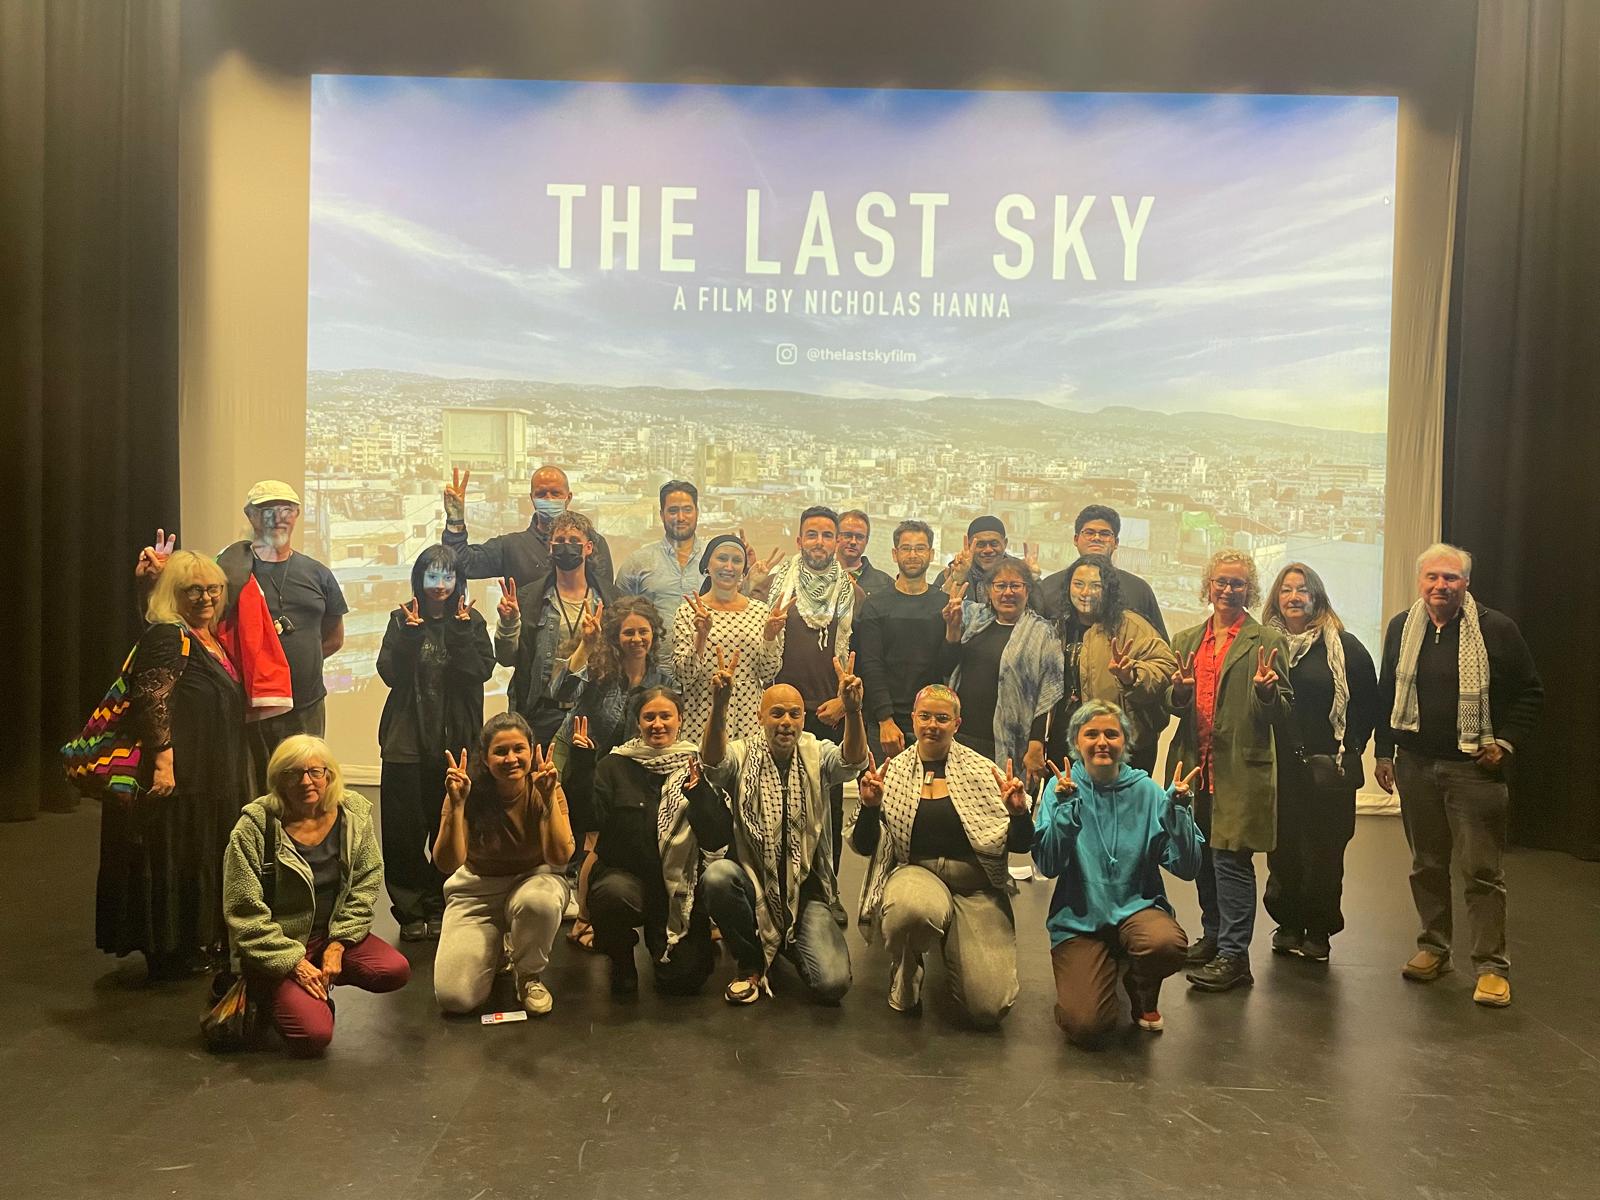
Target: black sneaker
[(1315, 948), (1201, 952), (1221, 973), (624, 977), (414, 931), (1287, 941)]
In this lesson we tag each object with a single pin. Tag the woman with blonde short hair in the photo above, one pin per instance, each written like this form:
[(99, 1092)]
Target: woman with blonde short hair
[(160, 881), (311, 927)]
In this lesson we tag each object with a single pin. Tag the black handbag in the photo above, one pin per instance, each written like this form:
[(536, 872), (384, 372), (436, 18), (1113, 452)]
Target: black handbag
[(236, 1016)]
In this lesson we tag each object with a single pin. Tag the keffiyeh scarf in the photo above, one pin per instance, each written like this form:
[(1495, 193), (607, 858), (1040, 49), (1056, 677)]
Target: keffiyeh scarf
[(1300, 644), (969, 777), (1474, 726), (761, 813), (1032, 680), (821, 597), (675, 840)]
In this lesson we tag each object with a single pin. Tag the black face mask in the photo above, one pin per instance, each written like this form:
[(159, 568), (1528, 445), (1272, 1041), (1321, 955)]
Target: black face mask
[(567, 556)]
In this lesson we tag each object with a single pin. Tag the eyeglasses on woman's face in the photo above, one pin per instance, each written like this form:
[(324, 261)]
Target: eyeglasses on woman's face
[(204, 591), (315, 774)]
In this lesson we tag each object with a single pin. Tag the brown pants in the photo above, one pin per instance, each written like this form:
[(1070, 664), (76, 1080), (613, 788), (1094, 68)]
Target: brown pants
[(1151, 945)]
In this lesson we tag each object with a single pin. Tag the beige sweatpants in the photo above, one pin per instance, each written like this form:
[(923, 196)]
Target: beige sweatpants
[(480, 911)]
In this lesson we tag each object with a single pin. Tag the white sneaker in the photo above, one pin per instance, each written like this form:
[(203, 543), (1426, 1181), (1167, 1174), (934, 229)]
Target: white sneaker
[(536, 998)]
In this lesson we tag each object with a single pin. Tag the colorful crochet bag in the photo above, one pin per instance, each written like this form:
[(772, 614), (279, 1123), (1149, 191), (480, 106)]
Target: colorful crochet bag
[(103, 761)]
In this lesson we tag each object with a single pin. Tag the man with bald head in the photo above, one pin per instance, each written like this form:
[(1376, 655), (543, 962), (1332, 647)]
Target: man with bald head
[(525, 554), (1458, 695), (774, 893)]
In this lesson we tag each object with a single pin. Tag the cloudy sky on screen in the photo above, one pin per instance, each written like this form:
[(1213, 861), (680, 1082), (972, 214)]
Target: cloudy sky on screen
[(1264, 271)]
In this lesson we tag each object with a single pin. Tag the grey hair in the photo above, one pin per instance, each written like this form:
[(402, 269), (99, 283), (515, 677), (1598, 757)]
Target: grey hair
[(1087, 712), (1446, 550)]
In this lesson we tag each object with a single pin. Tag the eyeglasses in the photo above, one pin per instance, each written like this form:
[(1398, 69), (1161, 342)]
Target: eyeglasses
[(204, 591), (1231, 585), (315, 774)]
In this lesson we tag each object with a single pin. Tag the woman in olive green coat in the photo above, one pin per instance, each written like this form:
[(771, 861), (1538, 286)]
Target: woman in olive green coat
[(1230, 699)]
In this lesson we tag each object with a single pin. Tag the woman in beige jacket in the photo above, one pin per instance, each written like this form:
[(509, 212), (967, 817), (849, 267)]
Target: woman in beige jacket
[(1113, 655)]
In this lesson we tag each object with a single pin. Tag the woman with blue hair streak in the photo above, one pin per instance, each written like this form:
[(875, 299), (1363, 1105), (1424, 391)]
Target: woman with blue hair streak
[(1105, 831), (436, 656)]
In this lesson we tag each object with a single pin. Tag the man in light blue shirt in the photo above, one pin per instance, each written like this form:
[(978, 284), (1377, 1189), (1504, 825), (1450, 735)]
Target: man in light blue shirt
[(668, 570)]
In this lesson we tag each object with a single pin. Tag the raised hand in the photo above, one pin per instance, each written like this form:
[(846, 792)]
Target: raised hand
[(1012, 790), (702, 619), (455, 495), (589, 629), (722, 677), (153, 558), (953, 614), (761, 568), (580, 734), (464, 608), (955, 575), (508, 608), (413, 613), (1030, 558), (1121, 662), (1183, 785), (1183, 679), (545, 776), (692, 779), (1062, 776), (870, 784), (776, 620), (457, 783), (891, 737), (849, 683), (1266, 678)]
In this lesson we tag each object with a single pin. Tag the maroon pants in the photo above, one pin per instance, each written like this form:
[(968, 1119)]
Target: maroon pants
[(306, 1023)]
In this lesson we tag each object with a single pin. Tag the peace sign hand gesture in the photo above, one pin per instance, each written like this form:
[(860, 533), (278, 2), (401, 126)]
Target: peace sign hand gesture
[(702, 620), (412, 613), (545, 776), (580, 734), (1183, 679), (153, 558), (589, 629), (870, 784), (1121, 662), (464, 608), (692, 779), (955, 574), (1266, 678), (1012, 790), (776, 620), (1183, 785), (722, 677), (849, 683), (457, 783), (1063, 778), (1030, 558), (455, 495), (508, 608)]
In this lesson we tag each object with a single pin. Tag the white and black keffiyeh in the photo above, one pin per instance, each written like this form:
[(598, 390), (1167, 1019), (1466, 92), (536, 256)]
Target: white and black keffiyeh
[(761, 813), (1300, 644), (1474, 726), (969, 778), (675, 840), (820, 597)]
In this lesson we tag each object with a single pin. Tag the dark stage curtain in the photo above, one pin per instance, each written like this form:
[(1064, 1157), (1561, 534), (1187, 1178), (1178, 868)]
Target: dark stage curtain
[(88, 355), (1523, 437)]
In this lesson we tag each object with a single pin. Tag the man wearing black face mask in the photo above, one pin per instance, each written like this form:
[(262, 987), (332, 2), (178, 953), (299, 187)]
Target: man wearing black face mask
[(543, 636)]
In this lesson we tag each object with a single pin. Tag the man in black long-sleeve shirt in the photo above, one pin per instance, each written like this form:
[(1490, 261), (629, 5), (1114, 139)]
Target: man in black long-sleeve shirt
[(1457, 695), (899, 638), (1096, 531)]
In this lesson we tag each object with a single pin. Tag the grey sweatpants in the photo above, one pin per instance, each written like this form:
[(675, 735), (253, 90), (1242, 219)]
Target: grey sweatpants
[(950, 904), (479, 912)]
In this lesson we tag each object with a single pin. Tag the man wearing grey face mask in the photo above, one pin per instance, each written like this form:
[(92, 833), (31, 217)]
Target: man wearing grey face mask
[(525, 554), (303, 598)]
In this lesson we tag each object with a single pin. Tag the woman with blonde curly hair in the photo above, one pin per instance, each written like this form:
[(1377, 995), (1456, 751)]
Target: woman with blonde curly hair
[(160, 882), (1230, 700)]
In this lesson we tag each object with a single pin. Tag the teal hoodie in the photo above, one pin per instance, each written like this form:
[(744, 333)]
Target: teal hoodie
[(1105, 845)]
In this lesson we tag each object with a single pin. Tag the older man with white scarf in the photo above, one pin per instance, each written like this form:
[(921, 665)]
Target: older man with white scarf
[(1458, 693)]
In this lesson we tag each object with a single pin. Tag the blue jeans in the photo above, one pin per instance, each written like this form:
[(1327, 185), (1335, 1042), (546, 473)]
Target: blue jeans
[(818, 950), (1227, 887)]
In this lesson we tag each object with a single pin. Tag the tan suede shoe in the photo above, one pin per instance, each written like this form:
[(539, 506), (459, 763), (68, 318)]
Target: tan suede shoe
[(1425, 966), (1493, 990)]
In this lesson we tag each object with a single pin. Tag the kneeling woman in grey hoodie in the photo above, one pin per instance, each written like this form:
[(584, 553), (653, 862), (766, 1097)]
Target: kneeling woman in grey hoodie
[(1105, 831)]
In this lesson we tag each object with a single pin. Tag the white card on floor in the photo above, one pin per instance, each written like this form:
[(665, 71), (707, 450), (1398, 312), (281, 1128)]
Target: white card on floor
[(502, 1017)]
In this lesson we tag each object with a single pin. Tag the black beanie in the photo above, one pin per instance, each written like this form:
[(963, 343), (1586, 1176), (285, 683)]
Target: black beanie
[(986, 524)]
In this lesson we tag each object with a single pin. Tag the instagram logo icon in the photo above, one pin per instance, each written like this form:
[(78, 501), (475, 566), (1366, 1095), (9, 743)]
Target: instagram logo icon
[(787, 353)]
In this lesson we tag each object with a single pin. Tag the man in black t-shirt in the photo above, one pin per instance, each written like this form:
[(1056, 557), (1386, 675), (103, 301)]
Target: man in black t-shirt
[(1097, 530), (899, 638)]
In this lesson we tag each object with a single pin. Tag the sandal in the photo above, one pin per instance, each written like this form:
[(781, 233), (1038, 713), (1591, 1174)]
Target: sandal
[(581, 935), (746, 990)]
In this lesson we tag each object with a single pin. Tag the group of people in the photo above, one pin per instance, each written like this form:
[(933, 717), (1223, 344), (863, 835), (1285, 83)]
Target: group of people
[(681, 731)]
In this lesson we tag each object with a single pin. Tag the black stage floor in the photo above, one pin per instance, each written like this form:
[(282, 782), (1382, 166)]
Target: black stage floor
[(1333, 1081)]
